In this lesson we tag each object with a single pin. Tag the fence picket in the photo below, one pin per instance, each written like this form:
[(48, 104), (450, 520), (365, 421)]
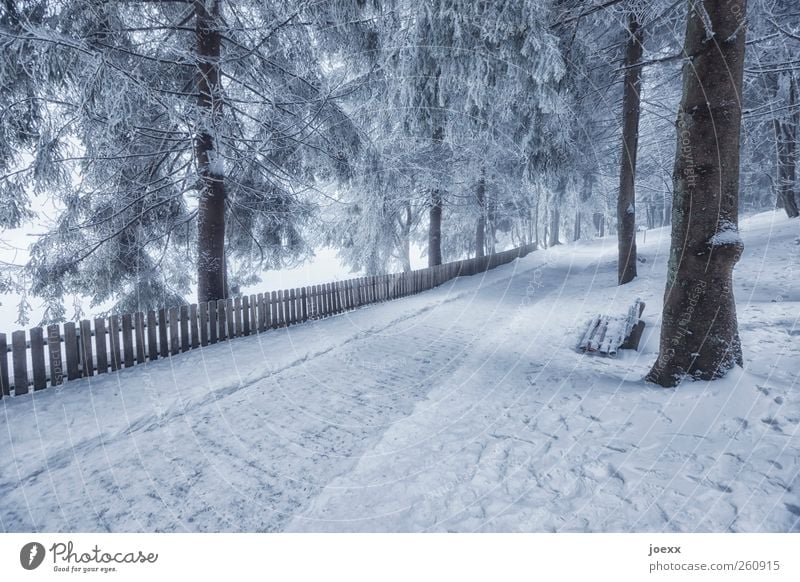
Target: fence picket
[(163, 340), (238, 319), (304, 304), (230, 318), (113, 342), (54, 352), (185, 339), (71, 350), (174, 337), (193, 326), (139, 332), (203, 314), (100, 345), (37, 359), (152, 335), (87, 361), (315, 302), (5, 387), (222, 332), (260, 316), (246, 315), (212, 322), (286, 307), (19, 355), (127, 340)]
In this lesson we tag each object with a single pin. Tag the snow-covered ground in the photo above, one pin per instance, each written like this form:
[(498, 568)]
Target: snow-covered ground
[(461, 409)]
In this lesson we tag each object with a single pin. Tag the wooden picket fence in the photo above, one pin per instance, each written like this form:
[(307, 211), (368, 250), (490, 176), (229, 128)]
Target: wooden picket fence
[(122, 341)]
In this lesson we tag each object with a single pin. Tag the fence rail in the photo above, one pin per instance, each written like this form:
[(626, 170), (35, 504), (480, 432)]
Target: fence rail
[(44, 357)]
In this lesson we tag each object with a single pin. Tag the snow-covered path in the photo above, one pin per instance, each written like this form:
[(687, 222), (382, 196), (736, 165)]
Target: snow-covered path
[(464, 408)]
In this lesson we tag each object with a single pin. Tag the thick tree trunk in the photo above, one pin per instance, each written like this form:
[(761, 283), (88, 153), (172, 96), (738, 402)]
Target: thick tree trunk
[(699, 333), (480, 229), (211, 275), (435, 229), (435, 216), (577, 233), (631, 106), (786, 142)]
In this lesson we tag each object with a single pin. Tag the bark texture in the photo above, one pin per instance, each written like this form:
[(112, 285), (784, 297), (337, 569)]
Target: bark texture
[(435, 215), (786, 142), (631, 108), (211, 269), (699, 333)]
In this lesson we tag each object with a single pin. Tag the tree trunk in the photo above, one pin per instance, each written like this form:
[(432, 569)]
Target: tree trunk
[(577, 234), (435, 227), (599, 224), (480, 229), (554, 224), (405, 250), (631, 106), (699, 332), (211, 275), (435, 230), (491, 216), (786, 142)]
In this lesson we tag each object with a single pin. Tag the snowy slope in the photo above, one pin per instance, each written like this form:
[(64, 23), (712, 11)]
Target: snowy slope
[(461, 409)]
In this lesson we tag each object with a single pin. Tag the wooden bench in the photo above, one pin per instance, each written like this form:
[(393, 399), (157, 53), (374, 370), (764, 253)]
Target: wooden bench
[(606, 334)]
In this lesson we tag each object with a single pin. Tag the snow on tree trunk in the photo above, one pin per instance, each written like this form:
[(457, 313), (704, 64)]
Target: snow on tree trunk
[(699, 333), (631, 106), (211, 276)]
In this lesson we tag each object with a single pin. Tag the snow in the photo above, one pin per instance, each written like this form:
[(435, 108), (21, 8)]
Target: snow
[(465, 408), (728, 234)]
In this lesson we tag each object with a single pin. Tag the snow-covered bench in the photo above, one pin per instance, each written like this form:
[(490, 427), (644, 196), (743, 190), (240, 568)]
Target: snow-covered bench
[(606, 334)]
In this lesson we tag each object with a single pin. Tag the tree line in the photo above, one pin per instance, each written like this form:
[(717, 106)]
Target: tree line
[(196, 143)]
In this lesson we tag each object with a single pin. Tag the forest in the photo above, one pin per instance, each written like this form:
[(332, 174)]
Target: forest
[(183, 148)]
